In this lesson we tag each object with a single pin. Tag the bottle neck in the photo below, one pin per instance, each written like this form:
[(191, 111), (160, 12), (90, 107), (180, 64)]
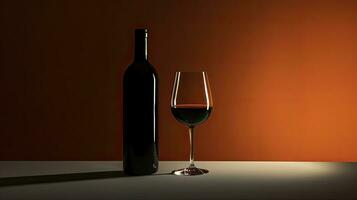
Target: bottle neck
[(141, 45)]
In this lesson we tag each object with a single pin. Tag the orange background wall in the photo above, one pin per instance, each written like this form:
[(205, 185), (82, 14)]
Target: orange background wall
[(283, 76)]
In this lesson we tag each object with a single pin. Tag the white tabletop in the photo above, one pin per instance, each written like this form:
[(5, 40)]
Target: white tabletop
[(226, 180)]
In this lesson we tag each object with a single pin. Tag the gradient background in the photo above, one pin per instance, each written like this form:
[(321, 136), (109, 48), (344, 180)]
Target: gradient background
[(283, 76)]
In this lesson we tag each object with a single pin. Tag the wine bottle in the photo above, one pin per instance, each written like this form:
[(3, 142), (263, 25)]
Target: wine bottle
[(140, 108)]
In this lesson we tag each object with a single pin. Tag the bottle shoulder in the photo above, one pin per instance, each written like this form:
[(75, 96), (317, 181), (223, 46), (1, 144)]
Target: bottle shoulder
[(141, 67)]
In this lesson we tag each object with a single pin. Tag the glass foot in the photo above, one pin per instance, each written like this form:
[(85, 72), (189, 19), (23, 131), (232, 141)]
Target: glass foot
[(190, 171)]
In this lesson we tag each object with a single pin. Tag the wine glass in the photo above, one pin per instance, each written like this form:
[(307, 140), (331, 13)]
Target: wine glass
[(191, 104)]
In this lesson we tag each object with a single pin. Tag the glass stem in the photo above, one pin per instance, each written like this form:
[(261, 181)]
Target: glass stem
[(192, 159)]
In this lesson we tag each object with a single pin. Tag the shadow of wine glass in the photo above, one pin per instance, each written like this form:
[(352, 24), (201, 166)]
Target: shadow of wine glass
[(53, 178)]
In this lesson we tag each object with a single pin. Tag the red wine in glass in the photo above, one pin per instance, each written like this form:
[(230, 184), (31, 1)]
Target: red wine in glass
[(191, 114)]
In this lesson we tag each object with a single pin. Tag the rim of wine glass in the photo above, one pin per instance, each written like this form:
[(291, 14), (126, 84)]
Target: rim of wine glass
[(191, 72)]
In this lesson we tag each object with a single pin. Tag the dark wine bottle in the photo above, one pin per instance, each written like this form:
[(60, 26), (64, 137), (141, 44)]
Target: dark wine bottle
[(140, 108)]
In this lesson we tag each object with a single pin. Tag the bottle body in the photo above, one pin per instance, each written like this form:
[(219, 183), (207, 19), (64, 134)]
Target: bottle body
[(140, 109)]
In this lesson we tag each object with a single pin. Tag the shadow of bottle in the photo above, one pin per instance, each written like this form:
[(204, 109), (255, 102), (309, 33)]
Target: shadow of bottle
[(37, 179)]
